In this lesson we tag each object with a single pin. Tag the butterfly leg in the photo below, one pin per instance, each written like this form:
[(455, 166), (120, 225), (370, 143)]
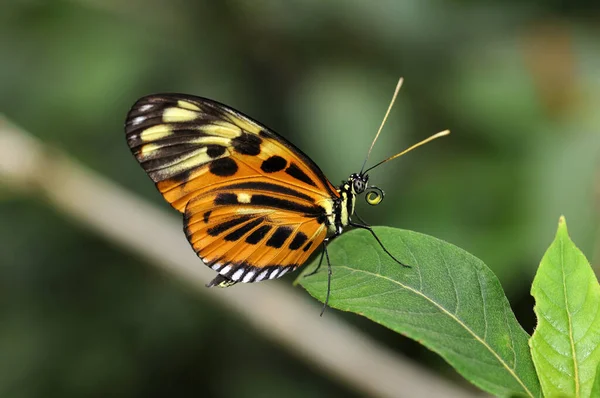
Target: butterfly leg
[(320, 260), (325, 254), (368, 228), (329, 272)]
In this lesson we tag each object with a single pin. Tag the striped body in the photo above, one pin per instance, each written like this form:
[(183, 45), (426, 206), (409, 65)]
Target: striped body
[(343, 209)]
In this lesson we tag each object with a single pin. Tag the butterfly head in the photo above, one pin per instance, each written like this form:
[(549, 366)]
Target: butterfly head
[(359, 183)]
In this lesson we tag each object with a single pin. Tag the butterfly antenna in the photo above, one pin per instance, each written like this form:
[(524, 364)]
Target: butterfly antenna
[(425, 141), (400, 81)]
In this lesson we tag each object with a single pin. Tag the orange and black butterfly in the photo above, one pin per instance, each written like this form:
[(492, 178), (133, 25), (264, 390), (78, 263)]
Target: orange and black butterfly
[(255, 207)]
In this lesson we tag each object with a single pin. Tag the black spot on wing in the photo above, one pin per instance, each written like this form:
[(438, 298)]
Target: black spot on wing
[(279, 237), (299, 239), (247, 144), (226, 199), (224, 167), (297, 173), (267, 186), (307, 247), (243, 230), (206, 216), (224, 226), (214, 151), (273, 164), (283, 204), (258, 235)]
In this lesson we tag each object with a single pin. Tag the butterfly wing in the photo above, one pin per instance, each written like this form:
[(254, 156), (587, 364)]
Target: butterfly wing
[(248, 234), (222, 169)]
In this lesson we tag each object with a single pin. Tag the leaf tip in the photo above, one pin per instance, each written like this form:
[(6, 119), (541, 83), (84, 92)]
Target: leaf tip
[(562, 226)]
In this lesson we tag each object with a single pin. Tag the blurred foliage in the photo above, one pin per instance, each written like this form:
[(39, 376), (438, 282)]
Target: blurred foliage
[(519, 86)]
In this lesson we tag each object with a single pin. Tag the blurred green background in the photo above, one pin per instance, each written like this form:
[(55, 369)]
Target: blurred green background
[(517, 83)]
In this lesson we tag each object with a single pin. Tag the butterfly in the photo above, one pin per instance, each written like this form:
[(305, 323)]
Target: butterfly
[(254, 206)]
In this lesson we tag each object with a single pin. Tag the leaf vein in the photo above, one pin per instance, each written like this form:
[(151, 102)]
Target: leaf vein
[(485, 321), (456, 297), (510, 370), (570, 321)]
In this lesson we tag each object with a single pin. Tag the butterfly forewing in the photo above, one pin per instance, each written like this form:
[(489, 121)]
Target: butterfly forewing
[(188, 143), (255, 205)]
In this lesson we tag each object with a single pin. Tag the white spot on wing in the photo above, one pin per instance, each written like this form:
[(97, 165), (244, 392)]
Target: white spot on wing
[(145, 107), (274, 273), (225, 270), (138, 120), (283, 271), (243, 197), (216, 266), (248, 276), (237, 274), (261, 276)]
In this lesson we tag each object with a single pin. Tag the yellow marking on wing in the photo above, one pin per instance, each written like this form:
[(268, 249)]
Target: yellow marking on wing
[(243, 197), (246, 125), (196, 160), (146, 149), (178, 115), (213, 141), (200, 156), (193, 159), (225, 130), (253, 210), (187, 105), (155, 133), (327, 204)]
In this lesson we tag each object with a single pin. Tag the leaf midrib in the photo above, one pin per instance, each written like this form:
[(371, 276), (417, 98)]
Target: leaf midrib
[(570, 320), (452, 316)]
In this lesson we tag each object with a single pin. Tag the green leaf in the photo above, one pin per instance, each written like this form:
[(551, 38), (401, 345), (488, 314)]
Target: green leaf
[(448, 301), (566, 343), (596, 386)]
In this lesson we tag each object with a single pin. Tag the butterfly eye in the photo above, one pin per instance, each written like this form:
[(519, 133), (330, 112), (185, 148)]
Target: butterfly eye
[(374, 196), (359, 186)]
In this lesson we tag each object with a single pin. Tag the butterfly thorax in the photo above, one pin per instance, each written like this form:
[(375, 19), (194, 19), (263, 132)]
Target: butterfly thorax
[(343, 208)]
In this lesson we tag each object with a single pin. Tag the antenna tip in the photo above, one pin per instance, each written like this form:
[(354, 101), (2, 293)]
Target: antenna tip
[(442, 133)]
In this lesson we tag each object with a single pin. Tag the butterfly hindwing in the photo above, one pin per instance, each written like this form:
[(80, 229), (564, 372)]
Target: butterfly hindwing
[(254, 205), (248, 242)]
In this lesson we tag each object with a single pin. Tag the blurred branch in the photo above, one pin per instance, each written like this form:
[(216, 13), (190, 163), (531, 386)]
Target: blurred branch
[(277, 312)]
